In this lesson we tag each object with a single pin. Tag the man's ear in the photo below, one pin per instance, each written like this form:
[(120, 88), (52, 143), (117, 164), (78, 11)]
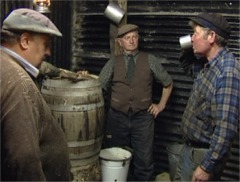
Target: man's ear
[(24, 40), (212, 37), (119, 41)]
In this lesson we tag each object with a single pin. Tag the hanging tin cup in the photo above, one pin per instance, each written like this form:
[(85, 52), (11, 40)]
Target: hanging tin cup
[(114, 13), (185, 42)]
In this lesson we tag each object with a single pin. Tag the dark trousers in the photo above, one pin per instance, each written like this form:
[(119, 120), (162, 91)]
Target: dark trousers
[(134, 130)]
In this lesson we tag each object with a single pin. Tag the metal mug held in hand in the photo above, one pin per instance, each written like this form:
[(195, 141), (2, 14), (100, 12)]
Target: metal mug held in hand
[(186, 42), (114, 13)]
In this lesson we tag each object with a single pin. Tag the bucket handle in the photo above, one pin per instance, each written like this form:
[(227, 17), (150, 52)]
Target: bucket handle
[(124, 163)]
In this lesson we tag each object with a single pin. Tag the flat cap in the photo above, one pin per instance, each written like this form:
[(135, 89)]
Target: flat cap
[(215, 22), (24, 19), (126, 28)]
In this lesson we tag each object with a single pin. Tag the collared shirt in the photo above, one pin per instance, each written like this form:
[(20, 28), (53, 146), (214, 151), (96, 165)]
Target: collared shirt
[(23, 62), (159, 72), (212, 112)]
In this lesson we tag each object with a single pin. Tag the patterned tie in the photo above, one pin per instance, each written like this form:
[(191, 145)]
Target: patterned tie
[(131, 67)]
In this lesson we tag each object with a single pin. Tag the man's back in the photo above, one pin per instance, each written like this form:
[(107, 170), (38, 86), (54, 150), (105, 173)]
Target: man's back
[(33, 146)]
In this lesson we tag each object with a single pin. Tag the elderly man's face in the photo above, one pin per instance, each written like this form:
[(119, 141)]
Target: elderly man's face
[(201, 41), (38, 47), (129, 42)]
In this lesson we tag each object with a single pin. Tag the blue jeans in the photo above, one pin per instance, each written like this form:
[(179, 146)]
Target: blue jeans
[(134, 130), (189, 159)]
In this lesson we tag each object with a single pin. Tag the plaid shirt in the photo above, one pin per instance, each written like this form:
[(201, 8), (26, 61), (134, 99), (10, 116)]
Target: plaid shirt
[(212, 112)]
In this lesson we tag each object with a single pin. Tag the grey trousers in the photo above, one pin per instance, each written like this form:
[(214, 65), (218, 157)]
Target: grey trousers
[(189, 159)]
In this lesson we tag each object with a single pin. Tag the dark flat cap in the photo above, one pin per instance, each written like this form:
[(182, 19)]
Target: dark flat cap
[(24, 19), (215, 22), (126, 28)]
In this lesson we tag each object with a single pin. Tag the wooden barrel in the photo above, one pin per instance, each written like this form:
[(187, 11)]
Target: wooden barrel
[(79, 109)]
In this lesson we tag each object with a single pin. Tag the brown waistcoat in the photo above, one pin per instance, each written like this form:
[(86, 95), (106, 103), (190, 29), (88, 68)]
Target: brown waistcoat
[(136, 95)]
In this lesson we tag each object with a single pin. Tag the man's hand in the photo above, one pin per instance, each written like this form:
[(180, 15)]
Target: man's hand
[(155, 109), (201, 175), (84, 72), (80, 75)]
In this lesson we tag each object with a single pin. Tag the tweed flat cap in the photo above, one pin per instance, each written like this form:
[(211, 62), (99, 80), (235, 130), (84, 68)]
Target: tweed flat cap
[(215, 22), (24, 19), (126, 28)]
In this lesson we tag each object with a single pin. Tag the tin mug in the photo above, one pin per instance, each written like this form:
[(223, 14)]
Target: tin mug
[(114, 13), (186, 42)]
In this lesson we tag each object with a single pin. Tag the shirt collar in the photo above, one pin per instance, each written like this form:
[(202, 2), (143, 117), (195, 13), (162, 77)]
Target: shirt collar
[(216, 58), (133, 53), (28, 67)]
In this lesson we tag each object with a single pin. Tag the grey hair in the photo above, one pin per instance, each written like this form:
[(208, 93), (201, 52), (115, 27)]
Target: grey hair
[(220, 41), (9, 37)]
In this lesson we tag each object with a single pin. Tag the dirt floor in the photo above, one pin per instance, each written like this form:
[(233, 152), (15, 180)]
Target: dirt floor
[(163, 177)]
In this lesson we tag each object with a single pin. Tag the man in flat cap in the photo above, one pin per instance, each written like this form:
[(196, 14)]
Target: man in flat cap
[(130, 121), (211, 118), (33, 146)]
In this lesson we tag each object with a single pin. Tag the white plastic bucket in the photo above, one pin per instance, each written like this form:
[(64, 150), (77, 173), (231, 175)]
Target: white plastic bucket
[(114, 164)]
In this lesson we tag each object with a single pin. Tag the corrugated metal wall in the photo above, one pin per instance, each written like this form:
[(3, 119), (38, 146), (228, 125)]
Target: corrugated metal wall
[(86, 45), (61, 15), (7, 5), (90, 43)]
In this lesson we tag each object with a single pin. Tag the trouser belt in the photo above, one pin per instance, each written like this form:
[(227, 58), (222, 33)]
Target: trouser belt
[(196, 144)]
